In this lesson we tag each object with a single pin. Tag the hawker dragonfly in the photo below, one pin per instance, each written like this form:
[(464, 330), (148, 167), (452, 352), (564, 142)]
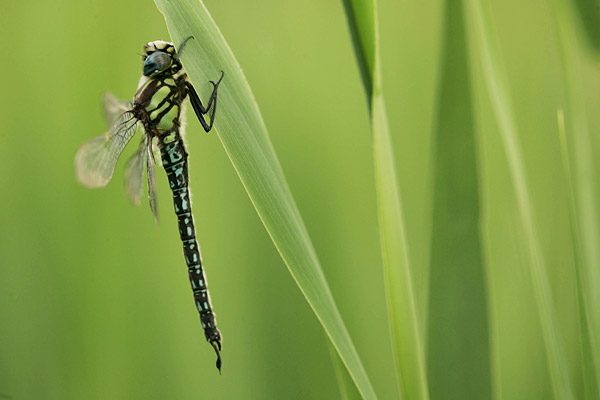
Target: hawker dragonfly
[(156, 108)]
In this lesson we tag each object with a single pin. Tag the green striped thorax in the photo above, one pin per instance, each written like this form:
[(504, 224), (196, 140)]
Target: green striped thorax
[(159, 92)]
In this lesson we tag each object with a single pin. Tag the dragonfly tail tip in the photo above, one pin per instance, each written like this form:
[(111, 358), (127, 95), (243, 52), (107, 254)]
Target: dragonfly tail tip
[(217, 346)]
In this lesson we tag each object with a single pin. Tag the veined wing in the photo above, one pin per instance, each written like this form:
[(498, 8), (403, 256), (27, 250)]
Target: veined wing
[(134, 174), (151, 180), (96, 159), (114, 107)]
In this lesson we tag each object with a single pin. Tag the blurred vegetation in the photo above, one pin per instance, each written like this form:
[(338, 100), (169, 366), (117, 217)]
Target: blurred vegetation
[(456, 248), (95, 297)]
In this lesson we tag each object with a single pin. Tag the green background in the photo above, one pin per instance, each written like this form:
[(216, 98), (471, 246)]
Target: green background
[(94, 297)]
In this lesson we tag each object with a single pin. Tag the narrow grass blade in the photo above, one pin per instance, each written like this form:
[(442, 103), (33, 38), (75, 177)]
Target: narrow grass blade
[(582, 179), (458, 331), (361, 22), (244, 136), (484, 43), (345, 384), (408, 350)]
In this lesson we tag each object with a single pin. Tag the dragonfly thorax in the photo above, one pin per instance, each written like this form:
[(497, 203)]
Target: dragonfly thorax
[(158, 102)]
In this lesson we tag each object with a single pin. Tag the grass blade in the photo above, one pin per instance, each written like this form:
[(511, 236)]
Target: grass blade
[(581, 179), (484, 43), (458, 331), (408, 350), (345, 384), (588, 12), (244, 136)]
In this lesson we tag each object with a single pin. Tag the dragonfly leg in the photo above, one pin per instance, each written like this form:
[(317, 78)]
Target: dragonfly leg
[(199, 108)]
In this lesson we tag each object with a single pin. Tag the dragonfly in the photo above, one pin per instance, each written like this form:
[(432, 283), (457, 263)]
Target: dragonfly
[(156, 108)]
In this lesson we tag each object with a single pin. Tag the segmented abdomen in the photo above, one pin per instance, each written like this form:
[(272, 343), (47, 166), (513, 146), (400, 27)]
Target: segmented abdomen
[(174, 160)]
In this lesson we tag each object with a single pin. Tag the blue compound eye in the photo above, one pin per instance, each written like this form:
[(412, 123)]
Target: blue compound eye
[(157, 62)]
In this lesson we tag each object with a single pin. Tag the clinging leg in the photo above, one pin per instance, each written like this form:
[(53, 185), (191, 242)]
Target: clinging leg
[(199, 108)]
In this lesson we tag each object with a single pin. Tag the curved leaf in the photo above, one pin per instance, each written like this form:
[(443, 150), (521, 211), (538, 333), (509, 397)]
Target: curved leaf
[(244, 136)]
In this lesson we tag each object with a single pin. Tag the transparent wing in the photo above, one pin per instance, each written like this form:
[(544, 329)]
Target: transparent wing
[(134, 172), (114, 107), (96, 159), (151, 181)]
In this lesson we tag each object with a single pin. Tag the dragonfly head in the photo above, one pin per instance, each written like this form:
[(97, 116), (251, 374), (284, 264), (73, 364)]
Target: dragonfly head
[(160, 59)]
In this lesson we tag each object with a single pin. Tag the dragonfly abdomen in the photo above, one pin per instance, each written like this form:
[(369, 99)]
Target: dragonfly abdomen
[(174, 158), (157, 108)]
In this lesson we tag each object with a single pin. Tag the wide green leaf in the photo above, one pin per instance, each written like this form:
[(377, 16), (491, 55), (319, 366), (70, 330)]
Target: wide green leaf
[(244, 136)]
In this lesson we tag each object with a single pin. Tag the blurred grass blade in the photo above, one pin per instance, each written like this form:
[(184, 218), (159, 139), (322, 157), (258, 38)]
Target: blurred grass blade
[(495, 79), (582, 180), (408, 350), (588, 13), (587, 338), (361, 22), (244, 136), (458, 331)]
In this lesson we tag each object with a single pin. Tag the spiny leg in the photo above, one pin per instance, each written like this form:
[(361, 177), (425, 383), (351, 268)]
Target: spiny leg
[(203, 110), (199, 108)]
